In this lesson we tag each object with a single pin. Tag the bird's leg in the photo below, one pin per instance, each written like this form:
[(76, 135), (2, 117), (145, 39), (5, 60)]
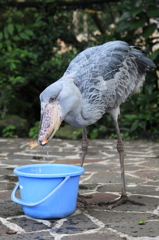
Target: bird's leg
[(84, 152), (120, 147), (84, 145)]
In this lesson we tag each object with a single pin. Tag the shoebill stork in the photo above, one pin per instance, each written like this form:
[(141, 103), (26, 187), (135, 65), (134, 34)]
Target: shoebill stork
[(97, 81)]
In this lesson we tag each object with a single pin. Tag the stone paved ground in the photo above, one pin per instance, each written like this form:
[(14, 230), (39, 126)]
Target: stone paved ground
[(100, 182)]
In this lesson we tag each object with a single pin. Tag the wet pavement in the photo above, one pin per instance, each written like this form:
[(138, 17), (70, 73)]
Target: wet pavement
[(100, 182)]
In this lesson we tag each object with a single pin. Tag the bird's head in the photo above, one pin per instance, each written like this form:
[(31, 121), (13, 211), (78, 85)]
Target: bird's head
[(57, 100)]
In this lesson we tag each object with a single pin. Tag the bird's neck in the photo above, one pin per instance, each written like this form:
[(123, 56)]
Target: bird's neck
[(81, 112), (73, 114)]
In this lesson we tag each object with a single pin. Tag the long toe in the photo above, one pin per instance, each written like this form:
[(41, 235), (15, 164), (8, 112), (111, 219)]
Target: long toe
[(118, 202)]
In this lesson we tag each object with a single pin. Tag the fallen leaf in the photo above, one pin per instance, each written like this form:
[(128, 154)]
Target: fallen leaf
[(11, 232), (142, 222), (33, 144)]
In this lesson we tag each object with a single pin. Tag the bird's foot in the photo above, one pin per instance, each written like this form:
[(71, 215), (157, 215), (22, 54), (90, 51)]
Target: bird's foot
[(122, 200)]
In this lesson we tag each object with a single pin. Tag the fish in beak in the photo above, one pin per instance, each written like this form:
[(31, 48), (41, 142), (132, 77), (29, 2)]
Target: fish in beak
[(51, 119)]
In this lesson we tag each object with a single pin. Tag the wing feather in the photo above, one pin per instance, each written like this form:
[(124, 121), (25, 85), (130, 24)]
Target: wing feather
[(107, 74)]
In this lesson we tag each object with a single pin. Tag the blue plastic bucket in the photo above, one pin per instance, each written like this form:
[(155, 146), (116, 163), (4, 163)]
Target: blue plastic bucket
[(47, 190)]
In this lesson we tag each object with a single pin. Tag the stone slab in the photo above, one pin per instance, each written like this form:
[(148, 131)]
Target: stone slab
[(100, 183)]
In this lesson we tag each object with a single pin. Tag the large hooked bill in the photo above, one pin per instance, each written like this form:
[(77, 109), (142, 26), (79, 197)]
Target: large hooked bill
[(50, 122)]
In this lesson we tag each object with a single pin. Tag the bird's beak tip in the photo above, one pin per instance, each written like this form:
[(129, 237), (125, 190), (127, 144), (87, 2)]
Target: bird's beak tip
[(43, 142)]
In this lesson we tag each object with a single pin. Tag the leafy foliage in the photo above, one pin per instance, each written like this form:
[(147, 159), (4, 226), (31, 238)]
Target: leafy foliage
[(32, 57), (29, 62), (9, 132), (33, 133), (140, 112)]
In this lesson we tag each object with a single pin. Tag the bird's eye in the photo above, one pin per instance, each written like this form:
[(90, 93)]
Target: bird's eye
[(52, 99)]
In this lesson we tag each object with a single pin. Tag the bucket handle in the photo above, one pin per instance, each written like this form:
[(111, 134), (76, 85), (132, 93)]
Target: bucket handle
[(30, 204)]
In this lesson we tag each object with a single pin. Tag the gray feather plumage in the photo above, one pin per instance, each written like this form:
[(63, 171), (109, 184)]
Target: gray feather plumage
[(107, 74)]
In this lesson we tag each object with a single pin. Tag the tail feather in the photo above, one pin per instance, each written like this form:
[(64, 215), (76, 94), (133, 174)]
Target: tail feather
[(143, 62)]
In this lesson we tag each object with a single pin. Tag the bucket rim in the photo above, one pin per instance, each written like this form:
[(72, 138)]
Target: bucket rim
[(78, 170)]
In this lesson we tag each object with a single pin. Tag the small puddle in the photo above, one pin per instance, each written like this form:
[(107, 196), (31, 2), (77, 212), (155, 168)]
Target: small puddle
[(41, 154)]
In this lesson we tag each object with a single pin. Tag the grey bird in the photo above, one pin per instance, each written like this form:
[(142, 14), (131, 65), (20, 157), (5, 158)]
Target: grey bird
[(97, 81)]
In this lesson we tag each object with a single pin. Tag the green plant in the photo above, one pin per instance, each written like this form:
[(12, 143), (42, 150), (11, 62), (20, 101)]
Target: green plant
[(9, 132), (31, 57), (137, 25), (33, 132)]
